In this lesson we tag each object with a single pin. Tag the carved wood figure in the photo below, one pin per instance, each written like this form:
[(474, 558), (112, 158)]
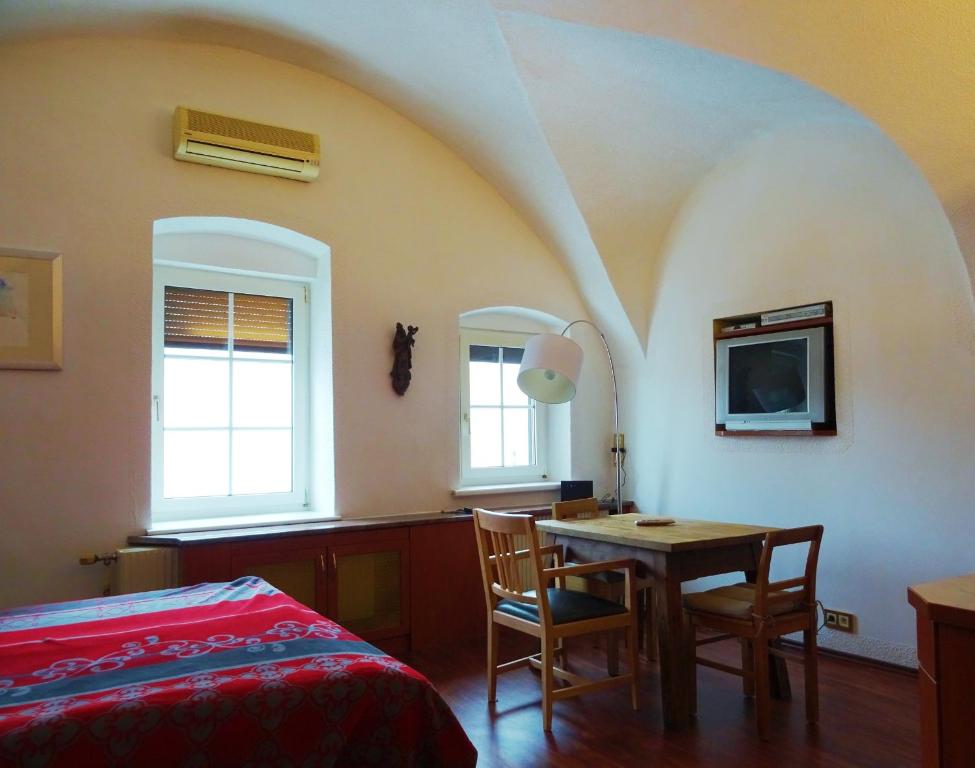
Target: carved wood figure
[(403, 343)]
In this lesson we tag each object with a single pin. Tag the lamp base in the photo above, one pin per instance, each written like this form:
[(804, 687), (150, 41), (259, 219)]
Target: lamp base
[(611, 506)]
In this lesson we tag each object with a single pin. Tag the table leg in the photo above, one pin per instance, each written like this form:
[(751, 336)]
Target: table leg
[(612, 653), (778, 678), (675, 701)]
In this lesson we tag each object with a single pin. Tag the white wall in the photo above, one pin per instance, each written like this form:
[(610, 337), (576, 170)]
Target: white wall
[(85, 169), (825, 212)]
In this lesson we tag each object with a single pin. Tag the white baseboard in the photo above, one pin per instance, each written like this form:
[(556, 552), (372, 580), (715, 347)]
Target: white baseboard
[(867, 647)]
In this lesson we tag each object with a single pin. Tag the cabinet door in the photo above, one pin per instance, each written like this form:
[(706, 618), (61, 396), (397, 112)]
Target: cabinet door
[(446, 587), (368, 588), (956, 703), (299, 573)]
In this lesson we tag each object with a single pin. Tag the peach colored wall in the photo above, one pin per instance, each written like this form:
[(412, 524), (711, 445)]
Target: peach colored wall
[(86, 167)]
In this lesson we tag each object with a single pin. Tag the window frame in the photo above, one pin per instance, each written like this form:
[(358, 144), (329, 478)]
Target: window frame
[(174, 510), (469, 476)]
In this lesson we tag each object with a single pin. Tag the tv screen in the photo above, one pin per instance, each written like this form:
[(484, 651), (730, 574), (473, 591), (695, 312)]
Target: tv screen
[(773, 380), (769, 377)]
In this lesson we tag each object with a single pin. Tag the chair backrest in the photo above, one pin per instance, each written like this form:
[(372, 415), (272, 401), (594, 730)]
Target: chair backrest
[(498, 538), (576, 509), (801, 587)]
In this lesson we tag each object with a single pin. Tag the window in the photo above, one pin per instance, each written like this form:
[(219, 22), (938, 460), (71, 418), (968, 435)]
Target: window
[(502, 430), (241, 412), (230, 389)]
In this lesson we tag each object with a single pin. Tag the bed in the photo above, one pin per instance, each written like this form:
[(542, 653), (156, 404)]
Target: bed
[(234, 674)]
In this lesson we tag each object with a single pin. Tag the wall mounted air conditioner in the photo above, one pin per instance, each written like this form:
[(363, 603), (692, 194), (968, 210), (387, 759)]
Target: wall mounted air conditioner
[(203, 137)]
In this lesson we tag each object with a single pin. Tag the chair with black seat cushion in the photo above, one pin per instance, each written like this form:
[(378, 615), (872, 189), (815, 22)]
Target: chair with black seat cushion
[(606, 584), (757, 614), (609, 584), (550, 614)]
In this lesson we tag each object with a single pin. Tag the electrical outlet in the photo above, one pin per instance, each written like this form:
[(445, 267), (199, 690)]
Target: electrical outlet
[(841, 621), (622, 452)]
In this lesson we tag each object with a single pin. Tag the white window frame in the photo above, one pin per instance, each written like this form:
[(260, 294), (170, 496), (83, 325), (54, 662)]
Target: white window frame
[(169, 510), (470, 476)]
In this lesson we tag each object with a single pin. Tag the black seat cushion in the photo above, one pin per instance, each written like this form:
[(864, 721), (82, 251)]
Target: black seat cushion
[(566, 606)]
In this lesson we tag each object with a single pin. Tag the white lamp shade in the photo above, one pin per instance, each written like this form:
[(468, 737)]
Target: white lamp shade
[(550, 368)]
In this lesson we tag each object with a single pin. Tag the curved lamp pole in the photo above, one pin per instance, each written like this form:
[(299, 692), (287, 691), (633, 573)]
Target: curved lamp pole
[(549, 371)]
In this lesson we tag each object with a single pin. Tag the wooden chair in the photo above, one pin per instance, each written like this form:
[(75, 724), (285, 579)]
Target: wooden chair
[(547, 613), (757, 614), (609, 584)]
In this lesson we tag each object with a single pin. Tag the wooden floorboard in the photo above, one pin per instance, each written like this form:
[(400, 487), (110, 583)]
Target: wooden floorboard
[(869, 717)]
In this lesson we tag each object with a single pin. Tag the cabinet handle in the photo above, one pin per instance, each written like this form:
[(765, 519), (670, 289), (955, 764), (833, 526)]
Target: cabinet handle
[(321, 560)]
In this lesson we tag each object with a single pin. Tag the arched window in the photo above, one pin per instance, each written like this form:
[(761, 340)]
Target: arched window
[(241, 375), (506, 439)]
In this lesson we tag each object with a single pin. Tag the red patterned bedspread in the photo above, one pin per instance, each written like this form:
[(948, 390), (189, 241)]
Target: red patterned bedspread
[(232, 674)]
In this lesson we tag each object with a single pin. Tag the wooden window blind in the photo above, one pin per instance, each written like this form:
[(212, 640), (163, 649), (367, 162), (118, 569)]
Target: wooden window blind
[(201, 319)]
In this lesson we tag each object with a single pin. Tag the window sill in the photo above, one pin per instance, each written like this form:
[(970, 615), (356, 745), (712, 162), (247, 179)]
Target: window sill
[(236, 521), (484, 490)]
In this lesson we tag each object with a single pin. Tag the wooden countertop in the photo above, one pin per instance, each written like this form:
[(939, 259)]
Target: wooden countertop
[(338, 525), (256, 533), (947, 601), (683, 535)]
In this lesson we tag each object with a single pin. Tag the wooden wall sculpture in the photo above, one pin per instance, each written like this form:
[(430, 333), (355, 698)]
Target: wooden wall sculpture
[(403, 343)]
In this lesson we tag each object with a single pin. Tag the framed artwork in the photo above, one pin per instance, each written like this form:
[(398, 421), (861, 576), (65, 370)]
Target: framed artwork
[(30, 309)]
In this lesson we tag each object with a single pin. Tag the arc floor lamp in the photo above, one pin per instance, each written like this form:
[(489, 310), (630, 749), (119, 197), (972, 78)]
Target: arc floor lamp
[(549, 371)]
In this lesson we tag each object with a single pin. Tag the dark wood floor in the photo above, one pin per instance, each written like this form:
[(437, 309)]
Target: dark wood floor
[(869, 717)]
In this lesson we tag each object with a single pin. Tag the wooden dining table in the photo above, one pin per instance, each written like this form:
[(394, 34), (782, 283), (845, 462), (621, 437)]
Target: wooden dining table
[(669, 555)]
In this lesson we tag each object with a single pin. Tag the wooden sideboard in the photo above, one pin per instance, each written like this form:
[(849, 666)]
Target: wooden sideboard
[(401, 582), (404, 582), (946, 653)]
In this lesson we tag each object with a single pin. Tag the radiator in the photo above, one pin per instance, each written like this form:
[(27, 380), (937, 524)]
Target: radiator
[(525, 565), (527, 569), (139, 569)]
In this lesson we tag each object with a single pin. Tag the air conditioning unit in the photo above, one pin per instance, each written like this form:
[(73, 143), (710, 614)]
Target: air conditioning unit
[(203, 137)]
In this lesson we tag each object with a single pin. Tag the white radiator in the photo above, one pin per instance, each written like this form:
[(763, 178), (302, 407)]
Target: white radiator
[(525, 565), (140, 569)]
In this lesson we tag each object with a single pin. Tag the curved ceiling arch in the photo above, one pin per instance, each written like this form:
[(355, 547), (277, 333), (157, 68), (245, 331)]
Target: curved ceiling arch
[(636, 122), (445, 66), (908, 67), (596, 135)]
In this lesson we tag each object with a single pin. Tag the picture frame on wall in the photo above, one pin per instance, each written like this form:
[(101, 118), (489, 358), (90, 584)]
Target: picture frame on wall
[(30, 309)]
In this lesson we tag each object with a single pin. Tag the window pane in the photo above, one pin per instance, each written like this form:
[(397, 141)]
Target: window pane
[(485, 383), (262, 394), (486, 437), (512, 354), (512, 395), (262, 323), (262, 461), (196, 318), (196, 392), (478, 353), (196, 463), (280, 357), (517, 437)]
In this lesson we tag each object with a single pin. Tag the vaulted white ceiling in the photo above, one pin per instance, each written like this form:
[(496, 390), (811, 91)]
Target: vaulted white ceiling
[(596, 118)]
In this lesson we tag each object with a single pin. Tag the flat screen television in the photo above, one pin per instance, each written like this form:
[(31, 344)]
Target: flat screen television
[(773, 381)]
